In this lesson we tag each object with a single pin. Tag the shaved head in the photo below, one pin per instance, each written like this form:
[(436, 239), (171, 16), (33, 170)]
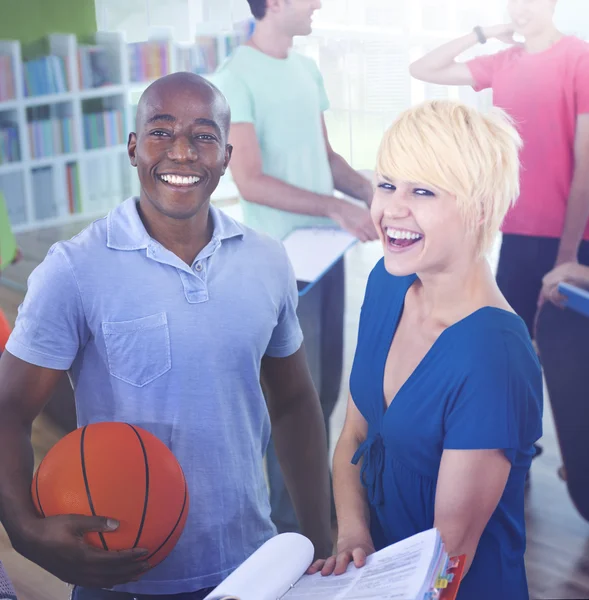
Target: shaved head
[(180, 144), (189, 86)]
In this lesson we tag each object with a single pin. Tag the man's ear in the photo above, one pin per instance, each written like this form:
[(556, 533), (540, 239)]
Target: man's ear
[(274, 5), (228, 153), (132, 148)]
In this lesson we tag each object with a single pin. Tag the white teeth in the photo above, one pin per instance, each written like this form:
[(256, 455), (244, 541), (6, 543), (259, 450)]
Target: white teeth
[(398, 234), (179, 180)]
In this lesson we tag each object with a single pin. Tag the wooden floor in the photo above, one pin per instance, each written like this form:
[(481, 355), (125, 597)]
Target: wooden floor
[(558, 539)]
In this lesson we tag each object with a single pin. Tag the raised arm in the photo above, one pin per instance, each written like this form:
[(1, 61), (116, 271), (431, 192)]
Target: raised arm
[(440, 65), (54, 543), (259, 188)]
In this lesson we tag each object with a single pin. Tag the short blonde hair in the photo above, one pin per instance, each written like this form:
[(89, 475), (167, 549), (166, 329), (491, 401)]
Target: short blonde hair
[(462, 151)]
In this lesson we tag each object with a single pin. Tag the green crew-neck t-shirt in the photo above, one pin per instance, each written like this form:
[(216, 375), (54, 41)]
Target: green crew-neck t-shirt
[(284, 99)]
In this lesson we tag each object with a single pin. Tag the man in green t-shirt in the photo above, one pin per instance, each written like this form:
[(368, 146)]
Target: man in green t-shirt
[(286, 173)]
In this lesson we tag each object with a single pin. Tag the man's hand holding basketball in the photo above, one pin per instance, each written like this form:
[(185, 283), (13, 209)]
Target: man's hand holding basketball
[(57, 544)]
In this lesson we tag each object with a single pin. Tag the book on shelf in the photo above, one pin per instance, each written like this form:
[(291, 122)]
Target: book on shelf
[(12, 186), (9, 144), (7, 91), (50, 135), (94, 67), (106, 180), (102, 129), (148, 60), (200, 58), (45, 75), (417, 568), (72, 173), (44, 204)]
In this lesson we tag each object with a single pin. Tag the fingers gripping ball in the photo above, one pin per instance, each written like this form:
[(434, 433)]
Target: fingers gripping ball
[(118, 471)]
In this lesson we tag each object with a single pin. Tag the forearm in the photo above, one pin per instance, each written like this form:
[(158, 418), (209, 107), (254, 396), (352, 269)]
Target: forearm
[(272, 192), (350, 497), (301, 447), (460, 538), (442, 57), (16, 473), (349, 181), (577, 216)]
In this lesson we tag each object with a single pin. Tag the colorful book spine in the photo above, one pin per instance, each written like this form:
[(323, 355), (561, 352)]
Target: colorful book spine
[(45, 75), (7, 91), (73, 188), (9, 143), (51, 136), (94, 67), (148, 60), (103, 129)]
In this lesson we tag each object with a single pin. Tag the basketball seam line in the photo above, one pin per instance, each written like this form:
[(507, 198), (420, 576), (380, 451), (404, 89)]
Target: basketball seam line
[(87, 484), (142, 523), (37, 490), (175, 526)]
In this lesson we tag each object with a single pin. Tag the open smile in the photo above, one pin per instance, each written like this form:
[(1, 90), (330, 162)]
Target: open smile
[(178, 181), (401, 240)]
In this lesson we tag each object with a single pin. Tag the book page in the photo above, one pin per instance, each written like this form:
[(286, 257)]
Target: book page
[(312, 251), (399, 572), (270, 572)]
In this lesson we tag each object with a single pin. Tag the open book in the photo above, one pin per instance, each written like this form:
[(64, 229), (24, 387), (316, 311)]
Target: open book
[(417, 568)]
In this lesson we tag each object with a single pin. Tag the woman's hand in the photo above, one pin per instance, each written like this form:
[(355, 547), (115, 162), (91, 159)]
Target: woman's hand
[(349, 550), (504, 33), (572, 273)]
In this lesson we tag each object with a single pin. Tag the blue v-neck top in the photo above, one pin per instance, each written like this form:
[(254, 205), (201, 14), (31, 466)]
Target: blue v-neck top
[(478, 387)]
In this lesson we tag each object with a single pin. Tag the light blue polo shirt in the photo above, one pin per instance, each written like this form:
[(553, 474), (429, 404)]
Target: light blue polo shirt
[(151, 341)]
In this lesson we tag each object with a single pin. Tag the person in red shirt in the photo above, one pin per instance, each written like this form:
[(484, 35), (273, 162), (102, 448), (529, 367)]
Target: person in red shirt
[(543, 84)]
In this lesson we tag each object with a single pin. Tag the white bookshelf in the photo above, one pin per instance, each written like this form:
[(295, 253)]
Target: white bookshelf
[(36, 188)]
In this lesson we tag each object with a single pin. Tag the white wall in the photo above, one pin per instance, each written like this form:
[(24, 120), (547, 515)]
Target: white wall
[(572, 16)]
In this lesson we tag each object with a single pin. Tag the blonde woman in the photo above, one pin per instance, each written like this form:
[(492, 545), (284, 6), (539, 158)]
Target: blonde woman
[(446, 389)]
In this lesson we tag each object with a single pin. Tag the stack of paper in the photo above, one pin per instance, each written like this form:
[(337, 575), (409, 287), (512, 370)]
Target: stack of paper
[(313, 251)]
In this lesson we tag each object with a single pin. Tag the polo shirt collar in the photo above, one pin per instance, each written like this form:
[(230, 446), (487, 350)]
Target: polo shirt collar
[(125, 230)]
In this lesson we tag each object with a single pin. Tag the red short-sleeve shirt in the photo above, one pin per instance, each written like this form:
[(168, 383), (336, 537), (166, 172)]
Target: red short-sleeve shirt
[(543, 92)]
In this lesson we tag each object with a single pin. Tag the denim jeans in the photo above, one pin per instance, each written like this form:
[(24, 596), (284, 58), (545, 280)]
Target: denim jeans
[(321, 315)]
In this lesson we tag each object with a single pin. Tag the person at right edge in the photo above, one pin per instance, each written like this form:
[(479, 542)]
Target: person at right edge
[(543, 84)]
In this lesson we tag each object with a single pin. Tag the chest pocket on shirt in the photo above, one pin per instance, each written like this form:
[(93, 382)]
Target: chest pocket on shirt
[(138, 351)]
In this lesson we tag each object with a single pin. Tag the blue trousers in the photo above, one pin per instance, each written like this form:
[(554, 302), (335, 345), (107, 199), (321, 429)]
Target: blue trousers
[(321, 315), (93, 594)]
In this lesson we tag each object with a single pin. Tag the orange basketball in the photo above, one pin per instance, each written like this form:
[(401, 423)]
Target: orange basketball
[(118, 471)]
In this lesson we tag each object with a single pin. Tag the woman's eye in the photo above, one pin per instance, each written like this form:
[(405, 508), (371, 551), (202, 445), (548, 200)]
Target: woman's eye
[(387, 186), (422, 192)]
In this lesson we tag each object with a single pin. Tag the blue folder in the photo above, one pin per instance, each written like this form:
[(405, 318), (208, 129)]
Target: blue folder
[(577, 299)]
